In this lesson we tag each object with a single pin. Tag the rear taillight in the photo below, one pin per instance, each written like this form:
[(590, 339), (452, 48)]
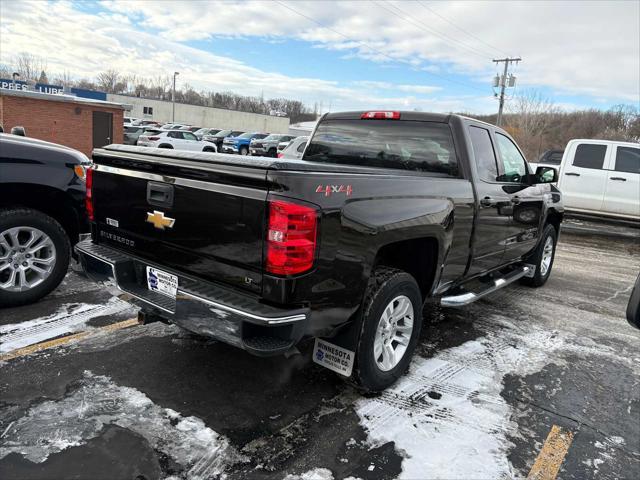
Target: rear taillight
[(380, 116), (291, 238), (280, 154), (88, 199), (153, 138)]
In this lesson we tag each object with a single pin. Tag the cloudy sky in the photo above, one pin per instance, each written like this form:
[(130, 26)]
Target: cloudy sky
[(428, 55)]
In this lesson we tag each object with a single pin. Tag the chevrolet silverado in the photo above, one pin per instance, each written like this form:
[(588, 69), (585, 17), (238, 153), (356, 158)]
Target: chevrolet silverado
[(385, 211)]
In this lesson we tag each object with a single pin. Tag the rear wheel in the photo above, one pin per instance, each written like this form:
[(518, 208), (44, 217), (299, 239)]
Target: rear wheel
[(34, 256), (392, 319), (542, 258)]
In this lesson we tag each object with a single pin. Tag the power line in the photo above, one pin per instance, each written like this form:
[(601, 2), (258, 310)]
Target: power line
[(462, 29), (373, 49), (422, 26)]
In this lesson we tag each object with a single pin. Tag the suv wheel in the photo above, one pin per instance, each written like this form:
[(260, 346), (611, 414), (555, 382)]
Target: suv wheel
[(34, 256), (392, 319), (244, 151), (542, 258)]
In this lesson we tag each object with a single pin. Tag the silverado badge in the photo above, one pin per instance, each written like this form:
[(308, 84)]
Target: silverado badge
[(159, 220)]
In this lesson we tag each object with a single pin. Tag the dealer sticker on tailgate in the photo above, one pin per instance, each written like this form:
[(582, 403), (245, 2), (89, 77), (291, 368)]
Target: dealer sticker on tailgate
[(162, 282), (333, 357)]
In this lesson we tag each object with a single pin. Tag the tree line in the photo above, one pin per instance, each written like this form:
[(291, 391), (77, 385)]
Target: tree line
[(535, 122)]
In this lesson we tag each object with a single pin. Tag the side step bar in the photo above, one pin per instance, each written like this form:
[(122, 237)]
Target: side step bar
[(470, 297)]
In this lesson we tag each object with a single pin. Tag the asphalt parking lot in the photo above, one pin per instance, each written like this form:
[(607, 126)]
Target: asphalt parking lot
[(521, 384)]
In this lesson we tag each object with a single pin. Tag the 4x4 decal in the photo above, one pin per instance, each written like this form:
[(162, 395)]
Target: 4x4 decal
[(329, 189)]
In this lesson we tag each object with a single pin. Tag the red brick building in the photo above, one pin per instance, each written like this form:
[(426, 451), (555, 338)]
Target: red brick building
[(79, 123)]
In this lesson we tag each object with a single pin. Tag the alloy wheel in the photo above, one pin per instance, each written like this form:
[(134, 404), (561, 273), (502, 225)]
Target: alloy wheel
[(27, 258), (393, 333)]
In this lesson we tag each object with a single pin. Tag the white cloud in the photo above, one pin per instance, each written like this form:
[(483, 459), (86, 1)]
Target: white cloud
[(591, 50)]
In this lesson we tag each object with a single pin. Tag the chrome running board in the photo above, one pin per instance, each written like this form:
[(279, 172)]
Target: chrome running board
[(470, 297)]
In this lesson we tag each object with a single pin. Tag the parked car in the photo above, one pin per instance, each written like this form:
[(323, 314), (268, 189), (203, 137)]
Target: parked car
[(295, 149), (268, 146), (601, 177), (550, 158), (218, 138), (344, 246), (172, 139), (283, 145), (240, 144), (146, 123), (128, 121), (173, 126), (206, 131), (42, 212), (131, 134), (191, 129)]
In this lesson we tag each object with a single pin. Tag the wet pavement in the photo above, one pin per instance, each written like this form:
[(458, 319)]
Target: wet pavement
[(487, 386)]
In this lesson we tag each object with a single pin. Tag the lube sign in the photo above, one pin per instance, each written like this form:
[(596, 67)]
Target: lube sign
[(38, 87)]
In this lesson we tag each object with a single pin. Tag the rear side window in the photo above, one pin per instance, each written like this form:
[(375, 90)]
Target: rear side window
[(397, 144), (589, 155), (189, 136), (301, 147), (483, 153), (628, 160)]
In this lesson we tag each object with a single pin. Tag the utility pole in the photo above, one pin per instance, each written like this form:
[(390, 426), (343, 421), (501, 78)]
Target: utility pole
[(502, 83), (173, 97)]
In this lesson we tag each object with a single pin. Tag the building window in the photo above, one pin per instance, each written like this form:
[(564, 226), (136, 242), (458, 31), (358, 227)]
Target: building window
[(147, 110)]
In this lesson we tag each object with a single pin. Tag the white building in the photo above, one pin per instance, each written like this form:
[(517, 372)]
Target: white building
[(162, 111)]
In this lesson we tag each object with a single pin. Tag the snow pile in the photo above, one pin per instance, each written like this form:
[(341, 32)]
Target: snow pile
[(53, 426), (70, 317), (447, 416)]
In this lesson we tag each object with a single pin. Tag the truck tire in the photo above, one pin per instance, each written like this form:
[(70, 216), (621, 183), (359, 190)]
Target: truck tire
[(34, 255), (542, 257), (391, 323), (243, 151)]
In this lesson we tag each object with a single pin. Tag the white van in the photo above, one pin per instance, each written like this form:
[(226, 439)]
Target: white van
[(601, 177)]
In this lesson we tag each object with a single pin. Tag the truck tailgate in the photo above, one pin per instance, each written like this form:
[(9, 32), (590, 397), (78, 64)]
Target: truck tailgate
[(206, 223)]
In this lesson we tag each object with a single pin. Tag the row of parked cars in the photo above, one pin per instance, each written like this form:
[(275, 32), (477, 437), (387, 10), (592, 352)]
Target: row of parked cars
[(147, 133)]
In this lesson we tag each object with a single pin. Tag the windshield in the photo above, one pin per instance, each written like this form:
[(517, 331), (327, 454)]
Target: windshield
[(247, 135), (223, 133), (397, 144), (273, 138)]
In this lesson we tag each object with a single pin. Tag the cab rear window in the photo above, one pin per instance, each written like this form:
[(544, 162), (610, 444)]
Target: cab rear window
[(397, 144)]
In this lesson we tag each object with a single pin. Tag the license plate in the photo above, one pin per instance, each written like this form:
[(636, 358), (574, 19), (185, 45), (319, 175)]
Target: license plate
[(162, 282)]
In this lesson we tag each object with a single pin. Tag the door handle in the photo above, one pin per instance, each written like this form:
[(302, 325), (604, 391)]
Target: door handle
[(622, 179), (160, 194), (486, 201), (573, 174)]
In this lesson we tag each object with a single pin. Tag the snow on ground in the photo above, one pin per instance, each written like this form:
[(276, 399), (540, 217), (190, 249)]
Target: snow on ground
[(96, 401), (447, 416), (68, 318)]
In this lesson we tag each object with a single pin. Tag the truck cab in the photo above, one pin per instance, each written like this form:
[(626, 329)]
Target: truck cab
[(601, 177)]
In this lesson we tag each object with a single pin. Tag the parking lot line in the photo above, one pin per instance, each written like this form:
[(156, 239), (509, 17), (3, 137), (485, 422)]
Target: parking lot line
[(36, 347), (549, 460)]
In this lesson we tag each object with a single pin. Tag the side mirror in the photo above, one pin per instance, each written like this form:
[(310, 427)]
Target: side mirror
[(546, 175)]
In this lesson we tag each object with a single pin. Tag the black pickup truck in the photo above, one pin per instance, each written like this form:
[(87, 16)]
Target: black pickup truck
[(386, 211)]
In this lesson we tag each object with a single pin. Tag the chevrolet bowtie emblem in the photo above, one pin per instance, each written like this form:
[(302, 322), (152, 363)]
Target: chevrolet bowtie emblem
[(159, 220)]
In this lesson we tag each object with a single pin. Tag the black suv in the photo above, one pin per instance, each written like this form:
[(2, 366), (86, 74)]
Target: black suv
[(42, 213)]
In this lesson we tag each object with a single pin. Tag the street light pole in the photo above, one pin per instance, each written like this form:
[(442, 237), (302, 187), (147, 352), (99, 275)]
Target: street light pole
[(173, 97)]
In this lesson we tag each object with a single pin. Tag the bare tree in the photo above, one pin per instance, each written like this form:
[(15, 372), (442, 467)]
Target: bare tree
[(108, 80), (29, 66)]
